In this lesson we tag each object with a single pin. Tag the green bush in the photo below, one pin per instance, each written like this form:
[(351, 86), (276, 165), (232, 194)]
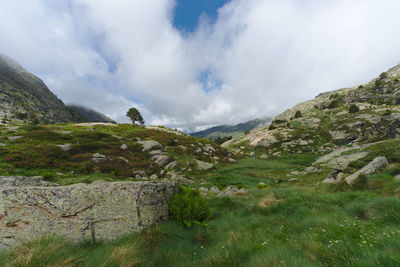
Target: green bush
[(360, 183), (48, 175), (188, 208), (387, 112), (334, 104), (298, 114), (353, 108)]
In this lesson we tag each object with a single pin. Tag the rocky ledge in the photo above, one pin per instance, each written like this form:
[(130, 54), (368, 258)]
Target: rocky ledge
[(97, 211)]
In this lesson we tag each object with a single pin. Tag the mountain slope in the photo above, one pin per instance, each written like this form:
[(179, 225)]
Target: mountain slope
[(89, 114), (361, 114), (231, 130), (25, 96)]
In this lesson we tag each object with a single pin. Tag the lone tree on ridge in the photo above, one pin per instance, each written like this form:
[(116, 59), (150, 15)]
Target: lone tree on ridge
[(134, 115)]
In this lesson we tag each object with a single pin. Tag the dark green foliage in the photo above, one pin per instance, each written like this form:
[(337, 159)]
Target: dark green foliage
[(333, 104), (272, 127), (353, 108), (135, 116), (360, 183), (172, 142), (48, 175), (21, 116), (298, 114), (221, 140), (387, 112), (187, 207)]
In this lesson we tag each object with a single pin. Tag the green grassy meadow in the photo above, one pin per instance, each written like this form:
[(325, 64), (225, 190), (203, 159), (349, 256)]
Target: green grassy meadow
[(301, 223)]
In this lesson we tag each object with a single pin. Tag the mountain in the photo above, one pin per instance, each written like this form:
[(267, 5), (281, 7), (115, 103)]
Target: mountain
[(231, 130), (90, 115), (24, 96), (351, 125)]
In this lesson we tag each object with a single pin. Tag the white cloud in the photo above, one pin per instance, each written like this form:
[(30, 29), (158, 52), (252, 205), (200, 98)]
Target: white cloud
[(269, 54)]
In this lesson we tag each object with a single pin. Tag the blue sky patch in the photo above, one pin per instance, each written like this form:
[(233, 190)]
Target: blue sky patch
[(208, 81), (187, 12)]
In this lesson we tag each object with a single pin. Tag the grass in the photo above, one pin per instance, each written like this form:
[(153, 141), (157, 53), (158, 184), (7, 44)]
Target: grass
[(285, 224), (35, 152)]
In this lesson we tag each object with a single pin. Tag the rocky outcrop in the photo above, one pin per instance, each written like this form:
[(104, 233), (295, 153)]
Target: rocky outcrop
[(98, 211), (372, 167)]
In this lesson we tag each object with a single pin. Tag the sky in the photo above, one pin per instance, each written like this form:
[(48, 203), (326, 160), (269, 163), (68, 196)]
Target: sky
[(195, 64)]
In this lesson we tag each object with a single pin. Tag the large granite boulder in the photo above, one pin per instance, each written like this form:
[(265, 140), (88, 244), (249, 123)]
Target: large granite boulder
[(97, 211)]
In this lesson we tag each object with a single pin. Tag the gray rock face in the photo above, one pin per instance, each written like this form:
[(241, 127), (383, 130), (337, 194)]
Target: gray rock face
[(172, 166), (372, 167), (201, 165), (99, 211), (150, 145), (214, 189), (19, 181), (65, 147), (229, 191), (161, 160)]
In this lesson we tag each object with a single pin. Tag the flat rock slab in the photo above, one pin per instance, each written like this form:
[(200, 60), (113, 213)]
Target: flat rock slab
[(98, 211)]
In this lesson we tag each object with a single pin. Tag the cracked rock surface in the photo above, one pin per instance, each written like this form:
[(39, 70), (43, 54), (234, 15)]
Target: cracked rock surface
[(97, 211)]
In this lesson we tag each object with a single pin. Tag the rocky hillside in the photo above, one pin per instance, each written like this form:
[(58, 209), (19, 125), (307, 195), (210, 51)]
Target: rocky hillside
[(90, 115), (231, 130), (347, 122), (23, 96), (72, 153)]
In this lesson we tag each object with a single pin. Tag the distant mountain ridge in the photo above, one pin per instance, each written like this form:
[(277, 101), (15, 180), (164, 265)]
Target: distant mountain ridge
[(24, 96), (231, 130), (89, 114)]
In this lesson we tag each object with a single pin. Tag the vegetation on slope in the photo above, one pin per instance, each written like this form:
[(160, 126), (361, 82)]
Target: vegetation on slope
[(300, 223)]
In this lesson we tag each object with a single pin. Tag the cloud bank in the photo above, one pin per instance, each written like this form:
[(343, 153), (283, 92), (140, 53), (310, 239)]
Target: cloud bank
[(258, 58)]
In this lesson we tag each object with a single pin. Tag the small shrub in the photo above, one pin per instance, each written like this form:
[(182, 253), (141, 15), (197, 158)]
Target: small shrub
[(353, 108), (48, 175), (188, 208), (172, 142), (360, 87), (272, 127), (360, 183), (387, 112), (334, 104), (298, 114)]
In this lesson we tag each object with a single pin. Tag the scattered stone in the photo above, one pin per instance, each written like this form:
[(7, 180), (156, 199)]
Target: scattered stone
[(161, 160), (156, 152), (65, 147), (243, 191), (293, 180), (214, 189), (124, 159), (97, 157), (261, 183), (1, 144), (154, 177), (209, 148), (12, 138), (139, 172), (229, 191), (62, 132), (295, 173), (252, 154), (397, 177), (264, 156), (150, 145), (276, 154), (231, 160), (372, 167), (172, 166), (201, 165), (124, 147), (203, 189)]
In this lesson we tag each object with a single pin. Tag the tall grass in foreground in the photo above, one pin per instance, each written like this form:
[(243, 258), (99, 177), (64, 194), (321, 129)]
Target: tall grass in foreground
[(286, 224)]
